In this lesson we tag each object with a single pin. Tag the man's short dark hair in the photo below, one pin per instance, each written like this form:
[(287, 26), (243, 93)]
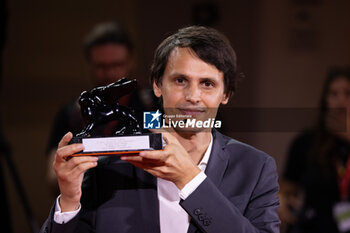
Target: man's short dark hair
[(106, 33), (208, 44)]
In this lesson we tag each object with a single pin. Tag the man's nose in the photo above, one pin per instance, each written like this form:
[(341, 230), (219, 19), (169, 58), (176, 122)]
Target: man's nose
[(193, 93)]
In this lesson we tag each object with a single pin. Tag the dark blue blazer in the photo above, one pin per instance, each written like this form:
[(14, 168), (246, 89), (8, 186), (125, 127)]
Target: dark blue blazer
[(239, 195)]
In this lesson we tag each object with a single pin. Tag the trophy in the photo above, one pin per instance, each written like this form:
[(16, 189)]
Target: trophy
[(100, 106)]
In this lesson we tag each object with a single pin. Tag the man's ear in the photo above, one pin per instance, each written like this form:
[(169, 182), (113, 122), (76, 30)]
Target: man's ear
[(225, 99), (157, 91)]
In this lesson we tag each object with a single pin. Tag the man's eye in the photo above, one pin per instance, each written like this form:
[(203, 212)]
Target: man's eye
[(180, 80), (208, 84)]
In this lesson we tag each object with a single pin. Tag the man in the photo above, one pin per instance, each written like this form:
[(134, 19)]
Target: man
[(109, 53), (202, 181)]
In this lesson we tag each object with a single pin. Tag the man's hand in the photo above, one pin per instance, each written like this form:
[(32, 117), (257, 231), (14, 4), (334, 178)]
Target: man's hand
[(70, 172), (173, 163)]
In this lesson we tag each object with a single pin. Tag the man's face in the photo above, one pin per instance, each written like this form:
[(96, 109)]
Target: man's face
[(338, 103), (190, 86), (109, 63), (339, 93)]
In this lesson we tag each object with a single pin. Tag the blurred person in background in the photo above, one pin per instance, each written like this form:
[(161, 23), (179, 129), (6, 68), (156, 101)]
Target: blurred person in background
[(315, 187), (109, 52)]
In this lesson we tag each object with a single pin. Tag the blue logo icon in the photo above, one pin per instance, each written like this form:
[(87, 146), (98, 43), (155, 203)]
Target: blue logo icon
[(151, 120)]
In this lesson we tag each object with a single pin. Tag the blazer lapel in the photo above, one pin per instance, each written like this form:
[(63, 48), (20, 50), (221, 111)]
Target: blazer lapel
[(216, 167), (218, 160)]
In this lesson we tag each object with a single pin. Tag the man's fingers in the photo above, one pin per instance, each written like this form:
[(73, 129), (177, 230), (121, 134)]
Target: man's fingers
[(64, 152), (82, 167), (169, 138), (141, 160), (66, 167), (69, 176), (66, 138), (76, 161), (154, 155)]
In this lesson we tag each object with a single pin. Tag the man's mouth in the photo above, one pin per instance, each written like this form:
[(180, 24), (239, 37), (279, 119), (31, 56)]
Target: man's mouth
[(192, 111)]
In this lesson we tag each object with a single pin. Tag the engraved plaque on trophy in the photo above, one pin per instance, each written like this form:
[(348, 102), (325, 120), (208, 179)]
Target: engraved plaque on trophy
[(100, 106)]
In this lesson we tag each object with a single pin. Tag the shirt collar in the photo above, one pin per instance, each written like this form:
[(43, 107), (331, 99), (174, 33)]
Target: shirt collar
[(203, 163)]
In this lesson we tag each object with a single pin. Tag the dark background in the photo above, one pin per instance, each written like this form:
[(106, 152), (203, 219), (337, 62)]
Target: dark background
[(284, 49)]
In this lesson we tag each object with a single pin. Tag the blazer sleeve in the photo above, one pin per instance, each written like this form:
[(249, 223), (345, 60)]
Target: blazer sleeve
[(213, 212), (83, 222), (50, 226)]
